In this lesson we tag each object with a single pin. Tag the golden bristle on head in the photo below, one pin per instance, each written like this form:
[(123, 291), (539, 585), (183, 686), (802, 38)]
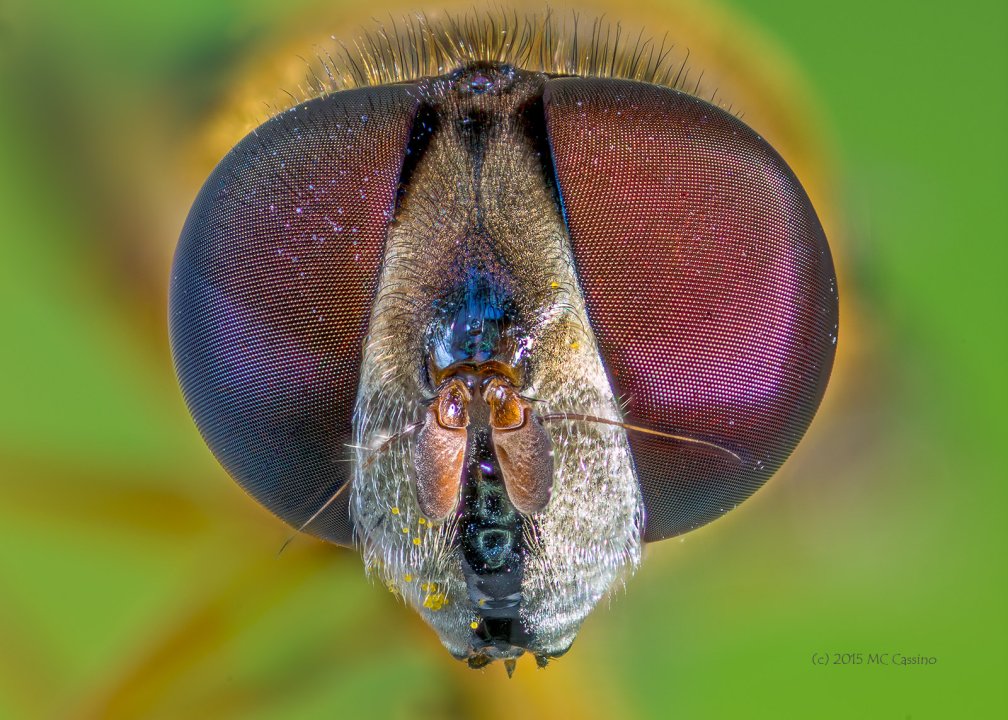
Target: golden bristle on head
[(417, 46)]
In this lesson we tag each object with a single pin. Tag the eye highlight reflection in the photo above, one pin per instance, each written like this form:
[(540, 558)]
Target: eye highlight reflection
[(517, 288)]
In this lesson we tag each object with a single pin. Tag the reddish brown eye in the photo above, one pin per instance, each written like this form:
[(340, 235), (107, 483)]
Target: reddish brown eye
[(271, 291), (708, 282)]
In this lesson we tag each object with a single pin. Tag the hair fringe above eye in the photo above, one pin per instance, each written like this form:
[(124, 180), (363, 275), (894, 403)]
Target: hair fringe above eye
[(416, 46)]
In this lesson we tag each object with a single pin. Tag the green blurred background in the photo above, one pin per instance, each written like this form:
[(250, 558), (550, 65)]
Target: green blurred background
[(137, 581)]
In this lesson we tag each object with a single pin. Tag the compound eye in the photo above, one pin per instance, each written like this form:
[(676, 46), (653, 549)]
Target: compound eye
[(271, 293), (708, 283)]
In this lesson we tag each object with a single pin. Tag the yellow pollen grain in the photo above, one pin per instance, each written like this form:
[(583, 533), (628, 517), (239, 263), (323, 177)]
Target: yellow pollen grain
[(575, 345), (474, 625), (436, 601), (407, 578), (405, 529), (395, 511), (554, 285), (422, 521), (417, 541)]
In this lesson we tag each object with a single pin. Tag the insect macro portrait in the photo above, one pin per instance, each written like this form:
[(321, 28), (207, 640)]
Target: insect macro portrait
[(505, 300), (428, 360)]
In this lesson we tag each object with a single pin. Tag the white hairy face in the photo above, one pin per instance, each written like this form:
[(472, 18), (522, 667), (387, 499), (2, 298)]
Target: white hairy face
[(588, 534), (496, 306)]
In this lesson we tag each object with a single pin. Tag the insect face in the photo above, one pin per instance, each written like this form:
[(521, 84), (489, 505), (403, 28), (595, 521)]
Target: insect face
[(500, 326), (479, 308)]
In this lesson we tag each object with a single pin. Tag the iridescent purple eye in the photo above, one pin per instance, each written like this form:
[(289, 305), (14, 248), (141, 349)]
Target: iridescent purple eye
[(708, 281), (499, 327), (271, 294)]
